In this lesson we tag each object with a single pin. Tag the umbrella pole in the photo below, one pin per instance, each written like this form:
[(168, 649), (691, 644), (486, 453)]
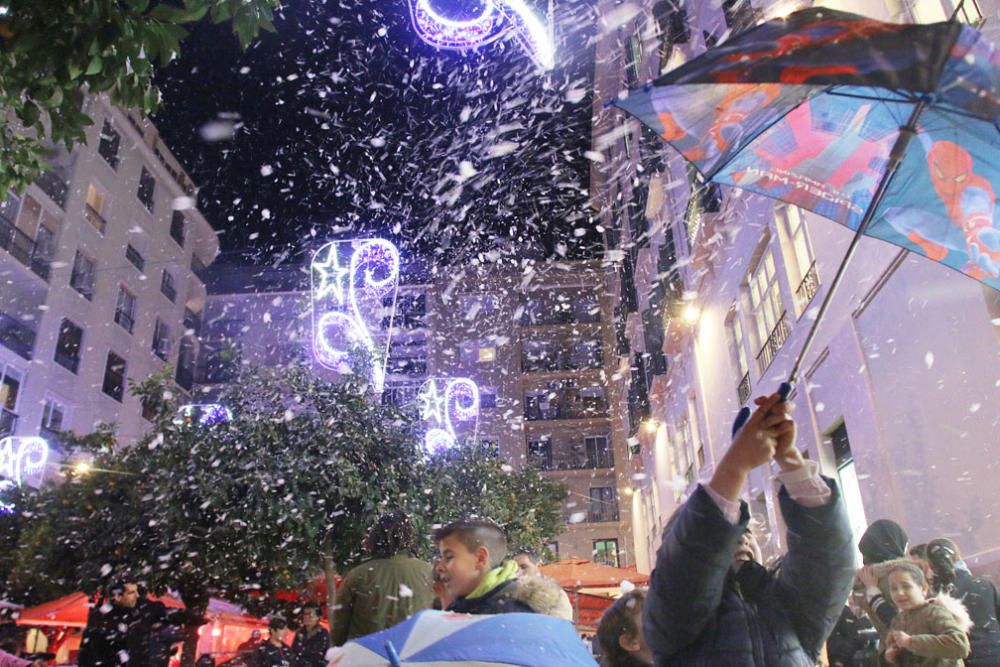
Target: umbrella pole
[(906, 134)]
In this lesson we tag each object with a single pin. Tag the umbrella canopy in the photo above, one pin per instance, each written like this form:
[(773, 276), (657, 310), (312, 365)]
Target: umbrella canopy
[(432, 638), (889, 129), (575, 574)]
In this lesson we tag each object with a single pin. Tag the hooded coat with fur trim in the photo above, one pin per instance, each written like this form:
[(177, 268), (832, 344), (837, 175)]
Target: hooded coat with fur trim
[(938, 633), (538, 595), (882, 613)]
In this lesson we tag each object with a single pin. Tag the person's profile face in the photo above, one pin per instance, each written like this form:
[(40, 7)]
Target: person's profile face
[(526, 567)]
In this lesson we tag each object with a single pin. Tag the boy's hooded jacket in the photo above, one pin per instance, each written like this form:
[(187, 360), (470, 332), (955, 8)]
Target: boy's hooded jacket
[(505, 594)]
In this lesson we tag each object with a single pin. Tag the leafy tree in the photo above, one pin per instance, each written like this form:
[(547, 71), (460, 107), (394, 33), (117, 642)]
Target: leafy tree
[(288, 488), (51, 50)]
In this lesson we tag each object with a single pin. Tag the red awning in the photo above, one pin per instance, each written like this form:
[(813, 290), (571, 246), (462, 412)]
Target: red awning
[(71, 611), (575, 574)]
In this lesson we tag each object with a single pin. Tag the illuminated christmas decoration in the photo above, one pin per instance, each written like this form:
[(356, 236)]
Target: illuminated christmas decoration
[(203, 414), (347, 302), (445, 405), (498, 19), (21, 457)]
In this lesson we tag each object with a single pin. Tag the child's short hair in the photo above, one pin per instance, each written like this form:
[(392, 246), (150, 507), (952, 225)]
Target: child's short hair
[(475, 533), (911, 569), (619, 619)]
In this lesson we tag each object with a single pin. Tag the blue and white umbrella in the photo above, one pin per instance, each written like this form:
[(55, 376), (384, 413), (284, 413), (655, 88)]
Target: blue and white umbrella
[(442, 639)]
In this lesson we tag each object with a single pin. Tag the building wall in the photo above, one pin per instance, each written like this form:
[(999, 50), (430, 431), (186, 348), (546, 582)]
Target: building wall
[(472, 322), (906, 360), (42, 298)]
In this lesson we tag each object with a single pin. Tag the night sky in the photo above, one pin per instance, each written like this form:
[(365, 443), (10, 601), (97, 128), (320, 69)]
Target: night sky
[(345, 123)]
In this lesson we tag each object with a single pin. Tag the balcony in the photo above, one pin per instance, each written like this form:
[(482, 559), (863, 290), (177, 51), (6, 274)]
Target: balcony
[(588, 408), (555, 361), (744, 388), (777, 338), (54, 186), (23, 249), (549, 465), (807, 289), (125, 319), (94, 217), (8, 422), (16, 336)]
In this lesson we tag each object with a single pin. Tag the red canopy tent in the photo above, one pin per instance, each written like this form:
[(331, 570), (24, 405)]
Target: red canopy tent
[(585, 576)]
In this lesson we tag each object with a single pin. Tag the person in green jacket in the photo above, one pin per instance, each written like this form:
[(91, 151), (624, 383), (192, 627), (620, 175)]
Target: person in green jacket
[(387, 589)]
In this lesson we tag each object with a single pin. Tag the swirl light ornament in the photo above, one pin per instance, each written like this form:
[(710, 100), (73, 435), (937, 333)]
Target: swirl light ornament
[(498, 19), (351, 281), (203, 414), (21, 457), (446, 405)]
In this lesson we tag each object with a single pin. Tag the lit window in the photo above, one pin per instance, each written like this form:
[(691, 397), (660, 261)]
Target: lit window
[(606, 552), (799, 256), (487, 355), (94, 210), (765, 307)]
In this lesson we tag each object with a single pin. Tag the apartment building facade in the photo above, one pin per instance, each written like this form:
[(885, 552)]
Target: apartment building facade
[(715, 290), (534, 339), (99, 264)]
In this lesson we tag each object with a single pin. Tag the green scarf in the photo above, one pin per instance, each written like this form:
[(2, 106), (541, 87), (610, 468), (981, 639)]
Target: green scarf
[(493, 578)]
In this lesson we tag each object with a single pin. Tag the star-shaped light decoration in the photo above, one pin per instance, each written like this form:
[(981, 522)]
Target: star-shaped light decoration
[(332, 276), (431, 402)]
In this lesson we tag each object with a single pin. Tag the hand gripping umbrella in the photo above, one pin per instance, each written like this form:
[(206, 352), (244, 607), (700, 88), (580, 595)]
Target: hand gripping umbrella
[(890, 129), (442, 639)]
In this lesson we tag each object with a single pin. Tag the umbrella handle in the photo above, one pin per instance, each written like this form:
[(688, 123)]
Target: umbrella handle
[(393, 656), (744, 414)]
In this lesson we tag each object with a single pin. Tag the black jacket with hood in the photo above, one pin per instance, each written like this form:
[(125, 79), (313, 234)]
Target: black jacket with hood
[(697, 616)]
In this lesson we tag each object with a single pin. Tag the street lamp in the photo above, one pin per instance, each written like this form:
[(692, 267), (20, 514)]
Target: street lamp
[(690, 313), (82, 467)]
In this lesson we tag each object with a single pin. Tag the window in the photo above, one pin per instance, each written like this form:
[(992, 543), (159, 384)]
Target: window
[(10, 390), (600, 454), (134, 257), (110, 141), (799, 256), (161, 339), (487, 397), (94, 210), (53, 415), (147, 188), (603, 504), (553, 547), (672, 25), (478, 305), (540, 453), (114, 377), (633, 60), (82, 278), (68, 346), (125, 309), (177, 227), (738, 354), (739, 14), (840, 443), (487, 355), (167, 287), (765, 308), (606, 552)]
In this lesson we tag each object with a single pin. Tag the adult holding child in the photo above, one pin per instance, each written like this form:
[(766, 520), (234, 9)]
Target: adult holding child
[(711, 602)]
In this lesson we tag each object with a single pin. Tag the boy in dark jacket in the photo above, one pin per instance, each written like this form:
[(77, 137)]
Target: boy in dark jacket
[(711, 603), (473, 569), (274, 652)]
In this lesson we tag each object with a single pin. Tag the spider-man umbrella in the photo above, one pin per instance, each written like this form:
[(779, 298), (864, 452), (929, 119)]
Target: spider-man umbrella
[(441, 639), (889, 129)]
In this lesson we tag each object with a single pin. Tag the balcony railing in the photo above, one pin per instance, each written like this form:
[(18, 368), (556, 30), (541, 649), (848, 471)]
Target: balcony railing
[(8, 421), (744, 388), (95, 218), (807, 289), (70, 362), (16, 336), (559, 362), (54, 186), (773, 343), (590, 409), (587, 464), (23, 248), (970, 12), (126, 319), (605, 514)]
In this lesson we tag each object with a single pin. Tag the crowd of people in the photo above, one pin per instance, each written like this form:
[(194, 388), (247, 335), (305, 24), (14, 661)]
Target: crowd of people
[(711, 600)]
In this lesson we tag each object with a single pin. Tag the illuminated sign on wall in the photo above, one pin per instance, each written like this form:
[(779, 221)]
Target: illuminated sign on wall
[(21, 458), (446, 405), (351, 282), (498, 19), (203, 414)]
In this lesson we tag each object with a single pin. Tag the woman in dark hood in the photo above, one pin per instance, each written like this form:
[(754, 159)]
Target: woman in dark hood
[(883, 541), (882, 546)]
